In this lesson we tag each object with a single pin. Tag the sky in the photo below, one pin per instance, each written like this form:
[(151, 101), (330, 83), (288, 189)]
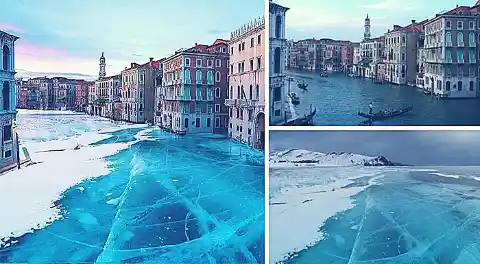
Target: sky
[(344, 19), (59, 37), (424, 148)]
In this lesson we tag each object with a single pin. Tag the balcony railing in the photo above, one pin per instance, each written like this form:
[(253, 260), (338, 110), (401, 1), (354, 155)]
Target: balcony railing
[(473, 60), (448, 44), (209, 97), (187, 81), (472, 44), (230, 102), (209, 82), (198, 81), (461, 61), (461, 44)]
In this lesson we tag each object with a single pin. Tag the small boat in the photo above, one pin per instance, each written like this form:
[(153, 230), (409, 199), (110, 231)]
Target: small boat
[(324, 74), (302, 86), (294, 98), (381, 115), (307, 120), (427, 92)]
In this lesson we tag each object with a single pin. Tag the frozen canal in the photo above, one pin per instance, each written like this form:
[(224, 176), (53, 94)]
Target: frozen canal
[(375, 215), (130, 194)]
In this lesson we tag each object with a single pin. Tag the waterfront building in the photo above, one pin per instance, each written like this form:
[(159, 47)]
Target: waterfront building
[(372, 52), (81, 96), (138, 92), (421, 57), (107, 93), (92, 95), (357, 57), (401, 53), (195, 85), (306, 54), (278, 110), (246, 97), (8, 139), (451, 68), (288, 51), (346, 52)]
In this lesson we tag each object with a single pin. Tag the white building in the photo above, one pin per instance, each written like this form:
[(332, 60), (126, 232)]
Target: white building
[(278, 46), (9, 140), (246, 97)]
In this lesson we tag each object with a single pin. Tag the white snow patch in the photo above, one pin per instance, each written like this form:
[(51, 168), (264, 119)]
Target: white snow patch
[(36, 187), (446, 175)]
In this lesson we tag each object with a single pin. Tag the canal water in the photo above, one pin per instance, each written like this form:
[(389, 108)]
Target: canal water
[(338, 98)]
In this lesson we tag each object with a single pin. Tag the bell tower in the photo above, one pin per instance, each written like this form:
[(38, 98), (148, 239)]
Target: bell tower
[(367, 34), (102, 73)]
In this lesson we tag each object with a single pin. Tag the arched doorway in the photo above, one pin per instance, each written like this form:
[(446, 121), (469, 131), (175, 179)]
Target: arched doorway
[(276, 60), (260, 131), (6, 95)]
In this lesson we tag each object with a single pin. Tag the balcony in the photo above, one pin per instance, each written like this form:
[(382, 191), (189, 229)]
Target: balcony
[(461, 44), (209, 97), (184, 97), (199, 97), (230, 102), (210, 82), (247, 103), (448, 44), (461, 61), (198, 81), (158, 113), (472, 44), (472, 60), (187, 81)]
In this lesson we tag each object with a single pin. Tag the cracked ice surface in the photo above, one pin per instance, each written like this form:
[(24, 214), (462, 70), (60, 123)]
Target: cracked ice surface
[(134, 194), (375, 215)]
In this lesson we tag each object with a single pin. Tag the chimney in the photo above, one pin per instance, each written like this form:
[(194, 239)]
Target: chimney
[(413, 21), (132, 64), (457, 6), (151, 61), (196, 43), (395, 27)]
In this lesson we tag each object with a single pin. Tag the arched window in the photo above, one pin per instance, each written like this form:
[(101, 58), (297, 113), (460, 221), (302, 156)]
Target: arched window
[(242, 93), (276, 60), (217, 92), (238, 93), (209, 121), (278, 26), (447, 86), (6, 57), (448, 37), (217, 76), (472, 86), (251, 92), (198, 76), (471, 37), (210, 76), (187, 75), (186, 122), (460, 38), (257, 92), (230, 95), (6, 95), (460, 85)]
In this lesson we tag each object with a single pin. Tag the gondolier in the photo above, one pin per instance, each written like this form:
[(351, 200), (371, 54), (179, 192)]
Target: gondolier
[(370, 107)]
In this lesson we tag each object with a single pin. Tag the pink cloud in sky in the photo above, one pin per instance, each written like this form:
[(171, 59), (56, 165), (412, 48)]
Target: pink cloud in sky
[(34, 50), (15, 29)]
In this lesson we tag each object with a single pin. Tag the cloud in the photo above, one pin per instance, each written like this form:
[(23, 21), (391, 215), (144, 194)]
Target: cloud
[(32, 74), (15, 29), (394, 5), (218, 31)]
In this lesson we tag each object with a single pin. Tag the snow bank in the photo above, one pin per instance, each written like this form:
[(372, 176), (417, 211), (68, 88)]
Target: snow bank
[(28, 194), (298, 212)]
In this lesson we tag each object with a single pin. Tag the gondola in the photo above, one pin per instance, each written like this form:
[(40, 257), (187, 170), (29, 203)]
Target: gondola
[(302, 86), (307, 120), (385, 114)]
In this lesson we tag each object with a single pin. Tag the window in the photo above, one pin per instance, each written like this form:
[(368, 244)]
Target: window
[(460, 85), (231, 52), (459, 24), (243, 45), (217, 76), (257, 92), (217, 108), (448, 24), (471, 25), (259, 39), (7, 133), (277, 94), (198, 76), (447, 86), (187, 62), (6, 95), (210, 77), (276, 60), (471, 86), (277, 112), (217, 122), (251, 92), (460, 38), (231, 93), (209, 121), (448, 37), (217, 92), (218, 63), (251, 64), (8, 154), (258, 63), (187, 76), (197, 122), (6, 57), (251, 42), (199, 63), (278, 26), (209, 63)]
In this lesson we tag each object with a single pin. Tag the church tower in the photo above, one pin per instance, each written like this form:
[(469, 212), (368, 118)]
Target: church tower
[(367, 34), (102, 72)]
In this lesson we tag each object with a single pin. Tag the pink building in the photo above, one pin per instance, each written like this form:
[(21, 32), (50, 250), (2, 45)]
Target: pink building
[(194, 82), (347, 56), (246, 97)]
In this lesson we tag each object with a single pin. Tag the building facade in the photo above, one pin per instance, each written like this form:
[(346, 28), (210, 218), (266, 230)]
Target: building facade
[(401, 53), (107, 93), (451, 68), (277, 97), (8, 137), (246, 97), (138, 92), (194, 87)]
